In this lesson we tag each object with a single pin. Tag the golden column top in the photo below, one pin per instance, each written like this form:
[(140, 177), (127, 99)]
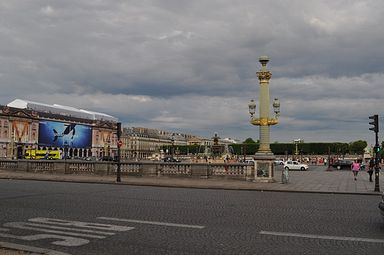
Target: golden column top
[(264, 74)]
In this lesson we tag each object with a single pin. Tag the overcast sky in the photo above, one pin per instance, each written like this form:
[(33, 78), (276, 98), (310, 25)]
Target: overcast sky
[(189, 66)]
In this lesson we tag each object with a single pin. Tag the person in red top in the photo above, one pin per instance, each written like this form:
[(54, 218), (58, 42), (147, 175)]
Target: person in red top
[(355, 167)]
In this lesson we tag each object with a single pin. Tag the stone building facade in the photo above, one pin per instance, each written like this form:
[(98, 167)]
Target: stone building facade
[(144, 143), (23, 126)]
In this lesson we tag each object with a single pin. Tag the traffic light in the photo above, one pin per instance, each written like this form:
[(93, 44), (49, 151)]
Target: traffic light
[(377, 149), (375, 123), (118, 126)]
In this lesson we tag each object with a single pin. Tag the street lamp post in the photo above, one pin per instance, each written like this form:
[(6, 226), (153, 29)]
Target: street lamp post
[(296, 142), (264, 157)]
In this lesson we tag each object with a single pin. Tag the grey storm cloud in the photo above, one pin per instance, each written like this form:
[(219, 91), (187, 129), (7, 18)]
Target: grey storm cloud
[(190, 65)]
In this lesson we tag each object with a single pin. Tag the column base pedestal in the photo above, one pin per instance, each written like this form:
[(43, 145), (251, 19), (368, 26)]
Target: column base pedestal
[(264, 167)]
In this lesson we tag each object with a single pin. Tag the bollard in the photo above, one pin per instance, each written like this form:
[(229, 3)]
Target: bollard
[(284, 175)]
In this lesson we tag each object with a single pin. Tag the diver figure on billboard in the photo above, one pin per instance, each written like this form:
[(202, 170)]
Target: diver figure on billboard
[(70, 128)]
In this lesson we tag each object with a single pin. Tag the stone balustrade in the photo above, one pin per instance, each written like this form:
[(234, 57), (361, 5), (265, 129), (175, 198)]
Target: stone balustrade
[(133, 168)]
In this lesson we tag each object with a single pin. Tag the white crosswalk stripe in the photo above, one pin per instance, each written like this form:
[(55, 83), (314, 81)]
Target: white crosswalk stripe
[(65, 232)]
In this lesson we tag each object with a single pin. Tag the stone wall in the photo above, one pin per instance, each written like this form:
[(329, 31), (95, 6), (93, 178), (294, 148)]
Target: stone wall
[(133, 168)]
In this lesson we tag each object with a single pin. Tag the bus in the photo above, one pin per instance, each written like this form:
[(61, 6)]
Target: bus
[(42, 154)]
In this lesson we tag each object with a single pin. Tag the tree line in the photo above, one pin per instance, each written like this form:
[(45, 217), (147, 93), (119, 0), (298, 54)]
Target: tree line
[(356, 147), (250, 147)]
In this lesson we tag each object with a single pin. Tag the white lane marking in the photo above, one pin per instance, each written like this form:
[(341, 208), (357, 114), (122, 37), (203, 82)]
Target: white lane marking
[(340, 238), (81, 224), (44, 226), (66, 240), (152, 222), (34, 250), (23, 225)]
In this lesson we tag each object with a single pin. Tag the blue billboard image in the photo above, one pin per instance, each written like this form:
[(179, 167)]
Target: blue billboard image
[(59, 134)]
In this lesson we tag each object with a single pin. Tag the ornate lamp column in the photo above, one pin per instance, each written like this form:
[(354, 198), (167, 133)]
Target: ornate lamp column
[(264, 156)]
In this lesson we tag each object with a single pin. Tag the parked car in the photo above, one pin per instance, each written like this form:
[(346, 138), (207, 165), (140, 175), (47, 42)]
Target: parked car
[(342, 164), (170, 159), (249, 162), (381, 205), (295, 165), (279, 162), (91, 158), (109, 158)]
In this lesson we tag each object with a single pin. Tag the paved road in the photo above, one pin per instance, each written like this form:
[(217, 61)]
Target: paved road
[(78, 218)]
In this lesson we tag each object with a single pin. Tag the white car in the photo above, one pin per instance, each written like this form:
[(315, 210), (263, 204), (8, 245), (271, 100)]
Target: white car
[(295, 165), (279, 162)]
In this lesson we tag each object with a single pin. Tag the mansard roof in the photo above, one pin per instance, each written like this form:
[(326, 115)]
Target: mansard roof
[(61, 110)]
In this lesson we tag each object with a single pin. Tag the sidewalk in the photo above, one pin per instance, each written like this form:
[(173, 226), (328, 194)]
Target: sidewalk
[(317, 181)]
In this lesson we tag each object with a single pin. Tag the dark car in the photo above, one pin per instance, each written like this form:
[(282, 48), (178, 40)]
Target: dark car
[(342, 164), (170, 159), (108, 158)]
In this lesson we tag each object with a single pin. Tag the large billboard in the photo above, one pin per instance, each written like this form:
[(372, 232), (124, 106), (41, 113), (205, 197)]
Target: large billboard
[(59, 134)]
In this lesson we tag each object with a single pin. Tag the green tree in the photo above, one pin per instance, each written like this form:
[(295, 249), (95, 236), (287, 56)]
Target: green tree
[(357, 147), (249, 140)]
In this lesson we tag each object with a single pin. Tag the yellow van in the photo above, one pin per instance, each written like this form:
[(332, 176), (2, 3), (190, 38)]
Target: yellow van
[(42, 154)]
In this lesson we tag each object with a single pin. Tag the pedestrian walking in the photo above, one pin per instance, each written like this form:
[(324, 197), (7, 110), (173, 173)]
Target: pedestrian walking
[(370, 168), (355, 167)]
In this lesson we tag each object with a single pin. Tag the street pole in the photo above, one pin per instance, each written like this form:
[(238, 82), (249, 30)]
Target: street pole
[(377, 166), (329, 159), (375, 128), (245, 151), (118, 172), (172, 145), (65, 156)]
